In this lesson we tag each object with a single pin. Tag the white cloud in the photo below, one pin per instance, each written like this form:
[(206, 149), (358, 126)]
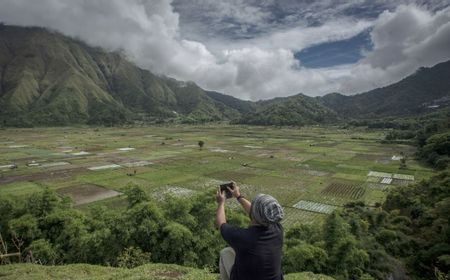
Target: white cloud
[(404, 40), (297, 38), (259, 68)]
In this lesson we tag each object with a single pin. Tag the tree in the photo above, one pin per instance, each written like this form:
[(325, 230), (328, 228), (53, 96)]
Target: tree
[(135, 195), (43, 203), (25, 227), (144, 222), (177, 209), (304, 257), (403, 163), (42, 252), (201, 143), (335, 229), (176, 245)]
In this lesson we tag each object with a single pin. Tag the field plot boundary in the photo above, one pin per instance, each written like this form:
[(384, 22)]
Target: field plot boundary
[(390, 175), (18, 146), (403, 177), (316, 207), (8, 166), (104, 167), (344, 190), (82, 153), (54, 164), (78, 193), (294, 216), (377, 186), (126, 149), (379, 174), (137, 163), (386, 181), (400, 182)]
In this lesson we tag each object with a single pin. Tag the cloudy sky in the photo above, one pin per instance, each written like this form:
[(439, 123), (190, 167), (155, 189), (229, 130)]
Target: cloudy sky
[(257, 49)]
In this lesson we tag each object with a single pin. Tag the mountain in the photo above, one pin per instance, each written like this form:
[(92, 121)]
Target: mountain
[(233, 102), (427, 88), (51, 79), (424, 91), (293, 110), (47, 78)]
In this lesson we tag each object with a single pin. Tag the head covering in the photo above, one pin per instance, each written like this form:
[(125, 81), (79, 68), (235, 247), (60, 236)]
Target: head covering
[(266, 210)]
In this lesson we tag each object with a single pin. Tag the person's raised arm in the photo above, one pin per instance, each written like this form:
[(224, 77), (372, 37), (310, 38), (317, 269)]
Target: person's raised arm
[(242, 200), (220, 213)]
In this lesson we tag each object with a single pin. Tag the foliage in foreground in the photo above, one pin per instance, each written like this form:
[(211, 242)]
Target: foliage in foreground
[(148, 271), (408, 236), (177, 231)]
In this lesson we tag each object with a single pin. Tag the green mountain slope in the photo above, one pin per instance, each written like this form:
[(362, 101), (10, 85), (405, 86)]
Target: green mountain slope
[(419, 93), (293, 110), (412, 95), (241, 106), (48, 78), (148, 271)]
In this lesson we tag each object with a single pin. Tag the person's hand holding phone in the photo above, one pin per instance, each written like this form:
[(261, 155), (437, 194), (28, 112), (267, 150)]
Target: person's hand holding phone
[(235, 192), (220, 196)]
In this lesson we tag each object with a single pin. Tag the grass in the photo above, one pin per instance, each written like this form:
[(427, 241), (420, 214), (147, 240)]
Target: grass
[(291, 164), (147, 271), (19, 189)]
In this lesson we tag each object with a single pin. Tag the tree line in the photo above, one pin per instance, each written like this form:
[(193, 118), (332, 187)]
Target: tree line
[(50, 231), (407, 236), (429, 133)]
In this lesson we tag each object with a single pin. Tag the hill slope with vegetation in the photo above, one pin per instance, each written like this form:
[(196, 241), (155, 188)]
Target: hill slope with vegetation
[(427, 87), (147, 271), (293, 110), (50, 79), (422, 92)]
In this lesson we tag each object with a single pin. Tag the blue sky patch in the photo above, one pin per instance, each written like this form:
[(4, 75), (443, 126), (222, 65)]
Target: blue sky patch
[(335, 53)]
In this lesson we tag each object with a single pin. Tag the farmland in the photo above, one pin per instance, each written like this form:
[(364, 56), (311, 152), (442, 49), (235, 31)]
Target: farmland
[(309, 170)]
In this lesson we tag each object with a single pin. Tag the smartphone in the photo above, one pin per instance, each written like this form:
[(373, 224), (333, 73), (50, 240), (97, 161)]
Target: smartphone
[(224, 188)]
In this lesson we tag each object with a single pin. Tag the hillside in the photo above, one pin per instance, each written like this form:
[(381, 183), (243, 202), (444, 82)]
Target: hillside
[(148, 271), (422, 92), (50, 79), (293, 110), (240, 105), (412, 95)]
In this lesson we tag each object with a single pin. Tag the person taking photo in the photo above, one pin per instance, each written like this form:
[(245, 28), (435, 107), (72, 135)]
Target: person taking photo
[(254, 253)]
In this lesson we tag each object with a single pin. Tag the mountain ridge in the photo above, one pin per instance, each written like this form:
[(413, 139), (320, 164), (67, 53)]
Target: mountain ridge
[(414, 93), (48, 78)]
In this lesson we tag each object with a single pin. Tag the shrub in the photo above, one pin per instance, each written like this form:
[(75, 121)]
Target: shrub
[(132, 257)]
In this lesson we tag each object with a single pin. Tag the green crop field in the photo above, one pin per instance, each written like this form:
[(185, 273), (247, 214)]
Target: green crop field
[(320, 166)]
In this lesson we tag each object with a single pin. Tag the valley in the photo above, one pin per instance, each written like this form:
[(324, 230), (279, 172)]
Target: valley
[(311, 170)]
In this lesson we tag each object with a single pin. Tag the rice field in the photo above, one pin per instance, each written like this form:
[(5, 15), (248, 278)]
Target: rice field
[(310, 170), (83, 194), (314, 207), (344, 190)]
